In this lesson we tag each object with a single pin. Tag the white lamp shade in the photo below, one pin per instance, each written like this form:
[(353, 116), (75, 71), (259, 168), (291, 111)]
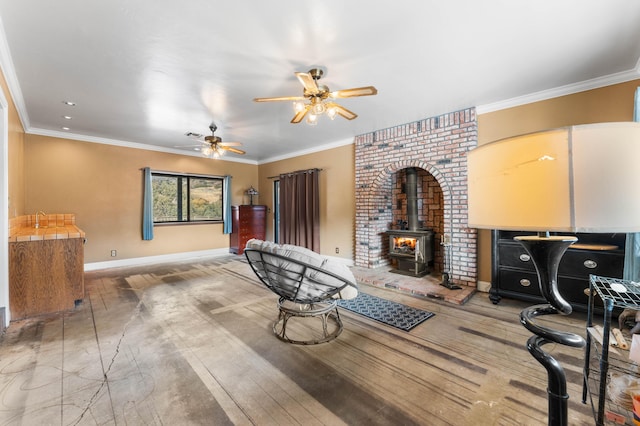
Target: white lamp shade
[(577, 179)]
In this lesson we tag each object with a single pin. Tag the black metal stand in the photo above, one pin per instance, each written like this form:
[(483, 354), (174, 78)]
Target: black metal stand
[(546, 253), (448, 284), (446, 244)]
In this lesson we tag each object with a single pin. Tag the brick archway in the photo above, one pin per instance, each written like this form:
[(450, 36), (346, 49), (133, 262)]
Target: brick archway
[(437, 145)]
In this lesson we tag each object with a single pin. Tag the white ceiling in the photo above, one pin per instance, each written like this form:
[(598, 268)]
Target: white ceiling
[(145, 72)]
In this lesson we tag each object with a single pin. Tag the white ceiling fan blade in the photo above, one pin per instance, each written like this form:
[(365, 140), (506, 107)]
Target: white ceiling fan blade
[(281, 98), (357, 91), (310, 86)]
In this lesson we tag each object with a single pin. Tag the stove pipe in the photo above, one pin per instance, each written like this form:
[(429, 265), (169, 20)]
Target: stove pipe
[(412, 198)]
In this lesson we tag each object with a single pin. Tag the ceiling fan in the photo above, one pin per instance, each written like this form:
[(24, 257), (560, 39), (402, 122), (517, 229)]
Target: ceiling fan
[(316, 99), (212, 146)]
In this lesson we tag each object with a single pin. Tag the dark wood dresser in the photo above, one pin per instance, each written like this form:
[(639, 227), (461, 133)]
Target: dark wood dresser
[(248, 222), (513, 274)]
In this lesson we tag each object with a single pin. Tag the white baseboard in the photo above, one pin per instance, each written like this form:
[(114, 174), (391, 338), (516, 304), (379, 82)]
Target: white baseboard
[(483, 286), (135, 261), (348, 262)]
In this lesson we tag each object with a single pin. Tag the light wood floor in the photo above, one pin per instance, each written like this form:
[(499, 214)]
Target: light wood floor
[(191, 343)]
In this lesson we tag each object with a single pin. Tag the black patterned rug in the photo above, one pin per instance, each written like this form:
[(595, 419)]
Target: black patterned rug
[(391, 313)]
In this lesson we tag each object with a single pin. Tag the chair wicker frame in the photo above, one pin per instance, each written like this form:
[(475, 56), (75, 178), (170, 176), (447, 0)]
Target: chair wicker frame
[(305, 291)]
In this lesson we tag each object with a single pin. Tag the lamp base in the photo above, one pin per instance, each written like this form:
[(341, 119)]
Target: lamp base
[(546, 253)]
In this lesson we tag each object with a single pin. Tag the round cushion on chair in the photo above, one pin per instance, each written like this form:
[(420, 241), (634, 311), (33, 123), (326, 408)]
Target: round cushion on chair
[(291, 270)]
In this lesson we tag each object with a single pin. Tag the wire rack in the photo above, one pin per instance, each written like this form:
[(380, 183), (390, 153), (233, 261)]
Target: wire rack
[(624, 293)]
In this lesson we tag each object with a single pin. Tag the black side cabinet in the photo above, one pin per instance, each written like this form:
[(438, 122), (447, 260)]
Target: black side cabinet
[(513, 274)]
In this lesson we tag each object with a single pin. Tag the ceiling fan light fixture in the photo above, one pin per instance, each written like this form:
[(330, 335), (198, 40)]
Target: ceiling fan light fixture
[(319, 99), (318, 107), (212, 146), (298, 106), (312, 119)]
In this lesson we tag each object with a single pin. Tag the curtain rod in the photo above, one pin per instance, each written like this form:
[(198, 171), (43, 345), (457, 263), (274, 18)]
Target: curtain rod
[(297, 171), (164, 172)]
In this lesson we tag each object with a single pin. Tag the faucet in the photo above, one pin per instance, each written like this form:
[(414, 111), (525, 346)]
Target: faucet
[(37, 225)]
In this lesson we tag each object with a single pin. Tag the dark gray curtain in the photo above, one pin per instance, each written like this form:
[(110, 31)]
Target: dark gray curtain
[(300, 209)]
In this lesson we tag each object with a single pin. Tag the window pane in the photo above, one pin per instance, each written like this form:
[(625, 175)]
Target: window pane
[(184, 198), (206, 199), (165, 198)]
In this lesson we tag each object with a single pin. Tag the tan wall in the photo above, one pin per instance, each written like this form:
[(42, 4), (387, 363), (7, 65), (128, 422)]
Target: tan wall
[(102, 185), (15, 155), (337, 195), (612, 103)]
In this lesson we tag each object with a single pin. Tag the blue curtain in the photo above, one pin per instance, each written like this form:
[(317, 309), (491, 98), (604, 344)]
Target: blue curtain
[(227, 205), (147, 208), (632, 245)]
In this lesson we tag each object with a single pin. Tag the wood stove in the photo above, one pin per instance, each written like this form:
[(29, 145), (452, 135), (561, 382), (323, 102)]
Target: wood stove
[(411, 251)]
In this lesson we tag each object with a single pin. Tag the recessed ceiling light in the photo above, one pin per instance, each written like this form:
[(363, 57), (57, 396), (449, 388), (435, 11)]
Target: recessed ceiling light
[(66, 128), (70, 103), (67, 117)]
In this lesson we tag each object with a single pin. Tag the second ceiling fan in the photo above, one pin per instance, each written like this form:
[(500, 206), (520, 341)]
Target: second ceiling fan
[(212, 146), (316, 99)]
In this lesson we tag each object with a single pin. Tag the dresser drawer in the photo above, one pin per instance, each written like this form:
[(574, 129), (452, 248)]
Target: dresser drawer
[(581, 263), (524, 282), (515, 255), (574, 290)]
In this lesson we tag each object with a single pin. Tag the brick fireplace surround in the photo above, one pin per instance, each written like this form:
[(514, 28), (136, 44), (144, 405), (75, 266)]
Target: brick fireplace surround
[(437, 145)]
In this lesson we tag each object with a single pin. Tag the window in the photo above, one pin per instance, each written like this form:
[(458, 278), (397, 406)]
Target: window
[(179, 198)]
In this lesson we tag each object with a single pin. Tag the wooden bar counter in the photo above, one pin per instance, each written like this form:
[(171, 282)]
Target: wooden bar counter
[(46, 266)]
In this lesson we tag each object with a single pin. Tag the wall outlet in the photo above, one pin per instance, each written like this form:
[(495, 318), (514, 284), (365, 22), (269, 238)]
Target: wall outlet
[(114, 253), (337, 250)]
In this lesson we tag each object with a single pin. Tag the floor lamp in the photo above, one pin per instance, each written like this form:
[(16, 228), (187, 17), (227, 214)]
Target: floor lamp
[(575, 179)]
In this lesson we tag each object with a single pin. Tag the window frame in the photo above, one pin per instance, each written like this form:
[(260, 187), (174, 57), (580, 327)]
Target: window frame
[(185, 205)]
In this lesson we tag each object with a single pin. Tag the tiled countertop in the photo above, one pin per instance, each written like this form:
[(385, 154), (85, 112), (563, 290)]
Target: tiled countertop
[(51, 227), (46, 233)]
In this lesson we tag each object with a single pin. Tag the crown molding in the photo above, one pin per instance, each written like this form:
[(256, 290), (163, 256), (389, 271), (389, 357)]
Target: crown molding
[(568, 89), (126, 144), (315, 149)]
